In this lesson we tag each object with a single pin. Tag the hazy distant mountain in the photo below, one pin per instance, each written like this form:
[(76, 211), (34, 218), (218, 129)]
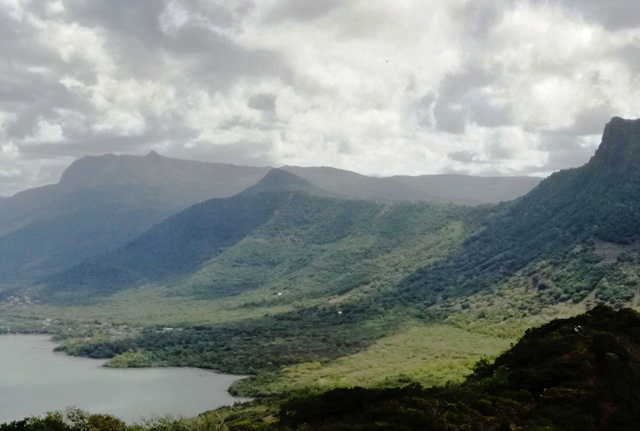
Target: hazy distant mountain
[(101, 203), (353, 185), (181, 181), (461, 189), (470, 189), (186, 179)]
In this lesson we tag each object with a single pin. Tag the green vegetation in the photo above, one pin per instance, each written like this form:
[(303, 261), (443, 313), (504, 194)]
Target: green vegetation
[(572, 374), (579, 373), (303, 290), (427, 354)]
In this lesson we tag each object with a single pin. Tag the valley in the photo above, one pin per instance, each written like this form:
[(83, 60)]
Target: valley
[(281, 277)]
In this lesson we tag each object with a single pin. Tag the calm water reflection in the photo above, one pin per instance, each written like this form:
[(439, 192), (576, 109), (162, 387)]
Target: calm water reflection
[(34, 380)]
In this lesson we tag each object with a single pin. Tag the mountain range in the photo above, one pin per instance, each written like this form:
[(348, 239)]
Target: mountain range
[(285, 229), (287, 240), (102, 203), (294, 275)]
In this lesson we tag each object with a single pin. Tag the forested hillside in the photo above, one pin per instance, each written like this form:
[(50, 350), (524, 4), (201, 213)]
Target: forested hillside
[(314, 278), (101, 203), (278, 236), (573, 221), (573, 374)]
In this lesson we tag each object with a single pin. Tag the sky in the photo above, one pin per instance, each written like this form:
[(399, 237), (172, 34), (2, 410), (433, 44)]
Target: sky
[(380, 87)]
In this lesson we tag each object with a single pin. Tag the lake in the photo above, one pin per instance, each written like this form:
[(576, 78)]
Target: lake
[(34, 380)]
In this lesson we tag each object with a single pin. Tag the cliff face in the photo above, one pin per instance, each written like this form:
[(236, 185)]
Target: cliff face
[(619, 151), (601, 198)]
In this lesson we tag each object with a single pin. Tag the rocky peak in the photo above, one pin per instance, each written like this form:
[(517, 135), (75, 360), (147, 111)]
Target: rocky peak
[(620, 147)]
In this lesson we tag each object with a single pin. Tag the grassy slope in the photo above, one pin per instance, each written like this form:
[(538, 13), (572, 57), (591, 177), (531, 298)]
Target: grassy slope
[(430, 354)]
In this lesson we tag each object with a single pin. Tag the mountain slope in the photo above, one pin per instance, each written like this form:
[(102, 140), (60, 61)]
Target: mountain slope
[(176, 246), (100, 204), (572, 374), (193, 181), (560, 220), (274, 235)]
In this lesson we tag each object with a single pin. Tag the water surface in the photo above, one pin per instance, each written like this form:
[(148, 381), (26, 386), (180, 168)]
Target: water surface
[(34, 380)]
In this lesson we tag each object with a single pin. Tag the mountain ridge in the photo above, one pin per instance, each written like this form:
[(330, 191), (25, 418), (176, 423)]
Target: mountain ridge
[(101, 203), (568, 211), (298, 281)]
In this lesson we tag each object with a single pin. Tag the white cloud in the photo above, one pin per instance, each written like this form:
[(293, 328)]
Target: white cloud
[(385, 87), (14, 8), (46, 133), (76, 42), (173, 17)]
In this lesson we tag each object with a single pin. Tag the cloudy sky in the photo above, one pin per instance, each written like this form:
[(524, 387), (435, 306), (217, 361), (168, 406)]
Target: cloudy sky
[(501, 87)]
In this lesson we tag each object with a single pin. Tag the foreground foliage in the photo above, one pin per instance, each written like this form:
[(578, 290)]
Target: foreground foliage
[(580, 373)]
